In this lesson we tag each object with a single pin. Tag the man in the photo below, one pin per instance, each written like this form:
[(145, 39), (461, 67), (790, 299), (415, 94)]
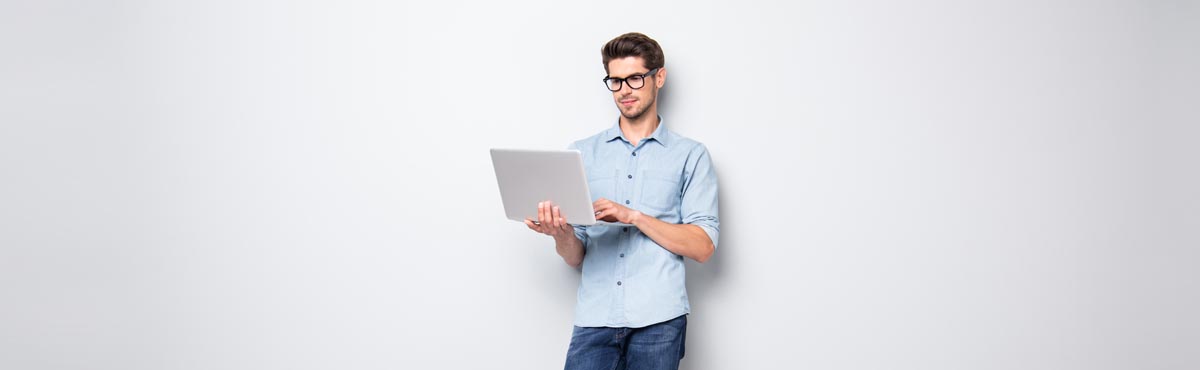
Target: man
[(632, 304)]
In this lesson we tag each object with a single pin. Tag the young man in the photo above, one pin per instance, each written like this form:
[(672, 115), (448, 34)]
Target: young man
[(632, 304)]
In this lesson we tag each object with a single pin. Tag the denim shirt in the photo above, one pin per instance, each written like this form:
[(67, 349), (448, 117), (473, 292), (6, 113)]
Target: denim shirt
[(628, 279)]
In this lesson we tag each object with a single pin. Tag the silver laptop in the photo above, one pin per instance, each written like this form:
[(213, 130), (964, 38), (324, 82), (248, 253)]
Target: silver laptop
[(527, 177)]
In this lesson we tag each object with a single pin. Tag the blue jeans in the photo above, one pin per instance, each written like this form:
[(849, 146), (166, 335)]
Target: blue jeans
[(655, 347)]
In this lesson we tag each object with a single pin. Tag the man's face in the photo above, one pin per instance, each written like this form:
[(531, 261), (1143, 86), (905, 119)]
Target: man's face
[(634, 103)]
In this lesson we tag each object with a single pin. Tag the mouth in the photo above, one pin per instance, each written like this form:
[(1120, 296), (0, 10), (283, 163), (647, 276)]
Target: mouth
[(628, 102)]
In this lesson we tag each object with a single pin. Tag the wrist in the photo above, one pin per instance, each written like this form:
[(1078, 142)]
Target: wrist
[(636, 217)]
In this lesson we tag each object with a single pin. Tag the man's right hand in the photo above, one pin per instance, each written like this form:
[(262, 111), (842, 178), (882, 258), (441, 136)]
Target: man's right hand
[(550, 222)]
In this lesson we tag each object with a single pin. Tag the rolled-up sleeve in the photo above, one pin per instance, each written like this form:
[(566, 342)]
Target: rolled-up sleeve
[(699, 205), (581, 233)]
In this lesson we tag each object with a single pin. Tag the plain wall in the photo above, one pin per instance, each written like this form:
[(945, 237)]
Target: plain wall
[(306, 185)]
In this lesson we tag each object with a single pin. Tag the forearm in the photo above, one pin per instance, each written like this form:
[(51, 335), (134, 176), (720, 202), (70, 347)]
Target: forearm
[(570, 248), (685, 240)]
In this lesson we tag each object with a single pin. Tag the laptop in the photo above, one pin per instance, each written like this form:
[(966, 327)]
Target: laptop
[(527, 177)]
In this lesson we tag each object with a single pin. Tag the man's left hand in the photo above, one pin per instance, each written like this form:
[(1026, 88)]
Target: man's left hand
[(609, 211)]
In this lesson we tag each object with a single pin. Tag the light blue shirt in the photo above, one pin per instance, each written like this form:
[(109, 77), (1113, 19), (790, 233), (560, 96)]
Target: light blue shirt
[(628, 279)]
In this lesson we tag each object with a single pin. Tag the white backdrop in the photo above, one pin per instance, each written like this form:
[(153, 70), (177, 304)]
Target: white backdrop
[(283, 185)]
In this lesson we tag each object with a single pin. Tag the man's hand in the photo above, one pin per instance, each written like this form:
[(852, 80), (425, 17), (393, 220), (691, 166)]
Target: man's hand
[(550, 222), (607, 210)]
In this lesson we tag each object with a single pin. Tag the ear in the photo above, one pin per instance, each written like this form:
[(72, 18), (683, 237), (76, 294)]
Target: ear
[(660, 77)]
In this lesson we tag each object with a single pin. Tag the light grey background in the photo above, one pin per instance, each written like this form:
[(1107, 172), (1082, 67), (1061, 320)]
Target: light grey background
[(302, 185)]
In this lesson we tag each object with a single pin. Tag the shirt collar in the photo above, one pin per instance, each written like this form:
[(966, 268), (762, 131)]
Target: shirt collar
[(659, 135)]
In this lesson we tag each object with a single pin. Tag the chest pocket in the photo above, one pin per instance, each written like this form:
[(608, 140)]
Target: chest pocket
[(661, 190)]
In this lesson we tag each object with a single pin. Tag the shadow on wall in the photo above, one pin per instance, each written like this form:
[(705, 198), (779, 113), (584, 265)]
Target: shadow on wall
[(704, 286), (701, 278)]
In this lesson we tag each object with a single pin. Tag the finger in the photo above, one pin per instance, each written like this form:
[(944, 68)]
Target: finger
[(542, 213), (562, 221), (541, 228), (548, 227), (557, 215), (531, 225), (610, 215)]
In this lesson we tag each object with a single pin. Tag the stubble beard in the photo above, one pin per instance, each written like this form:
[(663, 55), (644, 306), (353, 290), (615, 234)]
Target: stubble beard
[(635, 114)]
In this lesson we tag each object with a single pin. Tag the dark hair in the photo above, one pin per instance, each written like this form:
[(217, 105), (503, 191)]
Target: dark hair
[(633, 44)]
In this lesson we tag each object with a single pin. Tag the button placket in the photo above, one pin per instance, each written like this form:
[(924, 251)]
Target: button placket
[(625, 242), (633, 168)]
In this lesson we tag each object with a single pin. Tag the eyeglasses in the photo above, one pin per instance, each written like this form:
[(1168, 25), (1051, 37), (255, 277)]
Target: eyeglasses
[(635, 82)]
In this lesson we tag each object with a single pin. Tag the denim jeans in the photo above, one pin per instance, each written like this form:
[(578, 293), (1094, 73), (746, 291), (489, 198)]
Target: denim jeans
[(655, 347)]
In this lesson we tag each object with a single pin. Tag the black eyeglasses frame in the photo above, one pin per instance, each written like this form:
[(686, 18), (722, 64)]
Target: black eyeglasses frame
[(625, 81)]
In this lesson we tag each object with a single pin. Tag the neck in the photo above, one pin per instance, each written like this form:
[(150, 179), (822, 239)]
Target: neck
[(637, 129)]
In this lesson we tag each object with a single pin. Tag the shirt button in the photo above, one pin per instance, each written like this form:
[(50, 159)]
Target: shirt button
[(634, 154), (622, 255), (618, 283), (630, 176), (625, 229), (627, 201)]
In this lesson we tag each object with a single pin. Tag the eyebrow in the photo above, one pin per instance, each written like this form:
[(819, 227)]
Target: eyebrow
[(635, 74)]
